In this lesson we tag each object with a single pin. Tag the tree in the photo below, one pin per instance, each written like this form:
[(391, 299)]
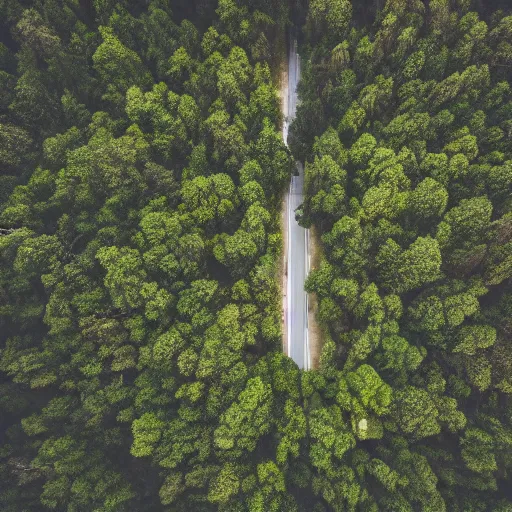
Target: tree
[(228, 138), (366, 396), (428, 200), (462, 232), (329, 144), (330, 438), (246, 420), (473, 337), (273, 157), (40, 38), (404, 270), (446, 305), (180, 66), (146, 431), (224, 485), (125, 275), (15, 145), (329, 18), (118, 67), (210, 198), (362, 150), (234, 77), (171, 489), (35, 104), (158, 33), (324, 183), (415, 413), (399, 356), (222, 351)]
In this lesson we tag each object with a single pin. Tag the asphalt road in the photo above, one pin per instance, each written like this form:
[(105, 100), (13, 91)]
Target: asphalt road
[(298, 260)]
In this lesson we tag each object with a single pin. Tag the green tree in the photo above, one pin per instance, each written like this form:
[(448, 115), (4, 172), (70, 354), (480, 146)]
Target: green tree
[(247, 419), (404, 270), (118, 67)]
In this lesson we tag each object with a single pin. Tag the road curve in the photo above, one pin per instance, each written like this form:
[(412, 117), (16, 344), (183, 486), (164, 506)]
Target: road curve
[(298, 237)]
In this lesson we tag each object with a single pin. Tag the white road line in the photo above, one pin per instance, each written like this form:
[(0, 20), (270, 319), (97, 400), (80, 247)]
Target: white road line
[(288, 280), (306, 258)]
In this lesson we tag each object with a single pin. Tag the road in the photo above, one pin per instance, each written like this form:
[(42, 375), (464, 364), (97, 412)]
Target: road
[(298, 258)]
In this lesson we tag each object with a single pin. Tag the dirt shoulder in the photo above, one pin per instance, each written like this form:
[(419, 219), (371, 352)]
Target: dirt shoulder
[(283, 274), (314, 329)]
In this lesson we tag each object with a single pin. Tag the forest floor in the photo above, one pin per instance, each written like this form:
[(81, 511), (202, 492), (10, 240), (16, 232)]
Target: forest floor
[(314, 329)]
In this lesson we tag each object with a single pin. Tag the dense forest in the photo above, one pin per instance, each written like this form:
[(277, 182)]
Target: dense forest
[(142, 170), (406, 127)]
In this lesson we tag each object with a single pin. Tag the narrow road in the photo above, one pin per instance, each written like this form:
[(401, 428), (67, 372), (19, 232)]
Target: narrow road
[(298, 257)]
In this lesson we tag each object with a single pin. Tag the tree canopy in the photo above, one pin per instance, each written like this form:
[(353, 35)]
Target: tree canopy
[(142, 170)]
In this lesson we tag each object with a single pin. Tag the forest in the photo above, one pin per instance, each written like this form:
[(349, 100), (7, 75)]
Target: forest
[(142, 170)]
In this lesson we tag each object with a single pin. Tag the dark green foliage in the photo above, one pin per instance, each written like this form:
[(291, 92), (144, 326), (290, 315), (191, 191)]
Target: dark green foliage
[(403, 127), (141, 176), (139, 306)]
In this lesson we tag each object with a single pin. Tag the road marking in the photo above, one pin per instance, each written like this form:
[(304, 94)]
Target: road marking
[(288, 277)]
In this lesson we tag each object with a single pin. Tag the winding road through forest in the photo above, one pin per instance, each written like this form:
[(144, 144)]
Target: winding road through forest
[(296, 304)]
